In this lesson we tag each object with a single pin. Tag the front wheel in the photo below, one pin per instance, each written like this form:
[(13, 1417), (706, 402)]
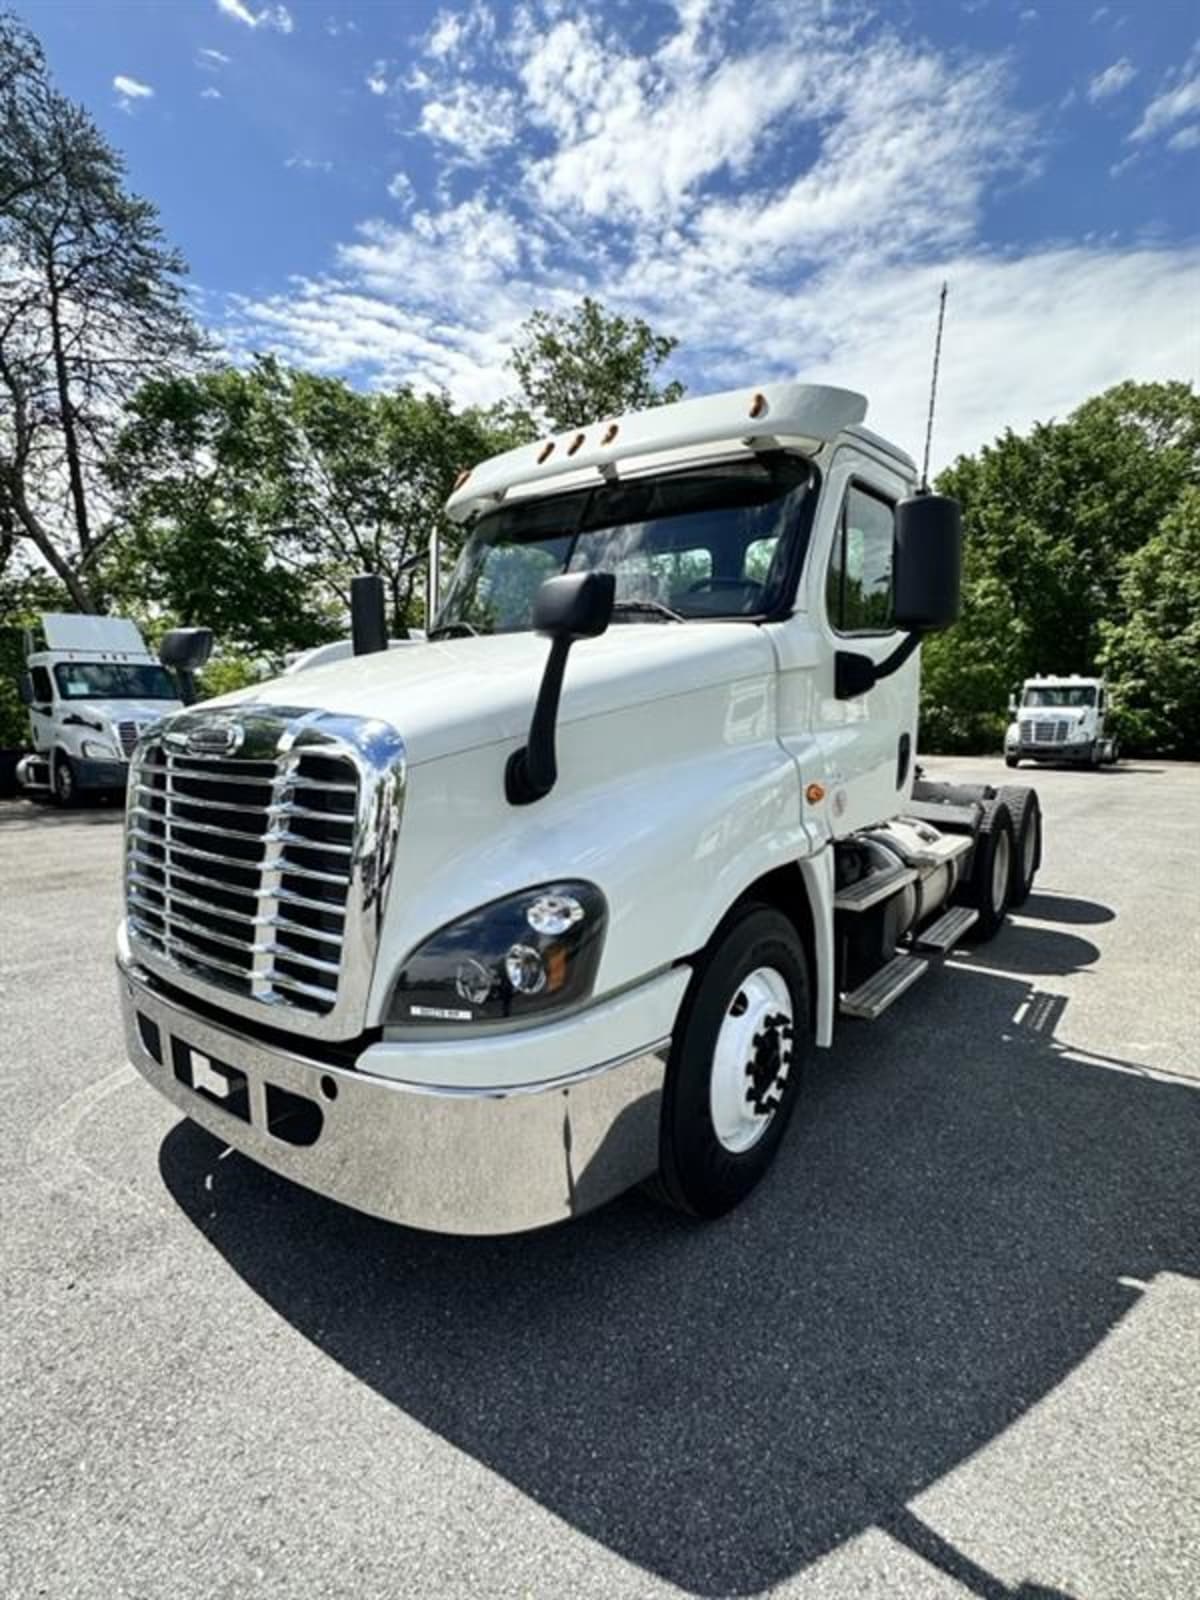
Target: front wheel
[(734, 1071), (1012, 761), (63, 782)]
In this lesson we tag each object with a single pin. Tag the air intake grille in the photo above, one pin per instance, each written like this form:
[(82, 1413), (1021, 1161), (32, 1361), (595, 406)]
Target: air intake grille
[(1044, 732), (127, 732), (239, 871)]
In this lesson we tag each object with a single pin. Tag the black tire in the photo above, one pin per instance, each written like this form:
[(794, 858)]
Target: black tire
[(1012, 761), (698, 1174), (988, 892), (1026, 813), (63, 781)]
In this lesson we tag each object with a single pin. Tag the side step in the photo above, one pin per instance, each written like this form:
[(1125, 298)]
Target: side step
[(871, 999), (945, 933), (869, 891)]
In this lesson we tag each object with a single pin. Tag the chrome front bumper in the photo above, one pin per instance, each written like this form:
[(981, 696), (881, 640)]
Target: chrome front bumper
[(472, 1161)]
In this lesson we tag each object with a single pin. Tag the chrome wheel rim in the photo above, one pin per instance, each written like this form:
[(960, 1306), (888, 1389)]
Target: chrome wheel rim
[(752, 1059), (64, 781), (1001, 865)]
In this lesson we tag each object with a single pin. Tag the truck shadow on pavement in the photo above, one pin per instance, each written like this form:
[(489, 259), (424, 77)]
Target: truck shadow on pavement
[(943, 1240)]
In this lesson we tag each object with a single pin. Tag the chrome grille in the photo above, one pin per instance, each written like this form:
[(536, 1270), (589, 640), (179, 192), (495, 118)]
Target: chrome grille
[(1044, 732), (258, 854), (127, 732)]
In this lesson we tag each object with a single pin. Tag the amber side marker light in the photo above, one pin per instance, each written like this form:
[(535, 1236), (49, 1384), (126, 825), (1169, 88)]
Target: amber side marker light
[(576, 443), (610, 433), (547, 451), (815, 793), (758, 406), (461, 479)]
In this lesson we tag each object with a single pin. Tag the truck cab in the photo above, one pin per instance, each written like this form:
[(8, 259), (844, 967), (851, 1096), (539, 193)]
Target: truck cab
[(92, 689), (475, 934), (1060, 719)]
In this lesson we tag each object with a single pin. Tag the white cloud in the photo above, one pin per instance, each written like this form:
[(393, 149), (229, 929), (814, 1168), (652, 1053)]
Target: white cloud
[(308, 164), (1178, 99), (210, 94), (782, 191), (1186, 139), (1112, 80), (474, 120), (212, 60), (277, 17), (130, 90), (376, 79)]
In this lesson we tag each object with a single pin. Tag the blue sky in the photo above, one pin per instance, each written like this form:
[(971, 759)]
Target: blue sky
[(386, 190)]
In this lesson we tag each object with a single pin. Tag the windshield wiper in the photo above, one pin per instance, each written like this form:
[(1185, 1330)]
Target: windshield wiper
[(452, 628), (645, 608)]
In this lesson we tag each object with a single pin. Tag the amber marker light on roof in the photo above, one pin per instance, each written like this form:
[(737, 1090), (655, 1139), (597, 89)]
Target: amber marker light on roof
[(610, 433), (758, 406), (546, 452), (576, 442), (462, 477)]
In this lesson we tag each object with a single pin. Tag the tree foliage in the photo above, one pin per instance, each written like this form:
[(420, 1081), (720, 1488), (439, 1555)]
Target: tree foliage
[(578, 366), (1054, 522), (250, 497), (91, 303)]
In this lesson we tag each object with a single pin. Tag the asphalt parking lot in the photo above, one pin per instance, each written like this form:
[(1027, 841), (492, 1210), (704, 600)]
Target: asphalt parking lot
[(951, 1348)]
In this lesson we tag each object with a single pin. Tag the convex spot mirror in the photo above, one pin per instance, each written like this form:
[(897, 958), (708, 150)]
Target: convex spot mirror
[(575, 605), (927, 564)]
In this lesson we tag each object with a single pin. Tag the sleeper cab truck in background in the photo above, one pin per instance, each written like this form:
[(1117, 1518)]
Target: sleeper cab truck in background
[(476, 934)]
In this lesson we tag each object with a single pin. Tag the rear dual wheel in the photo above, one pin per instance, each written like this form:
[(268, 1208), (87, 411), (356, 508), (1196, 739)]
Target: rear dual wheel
[(1026, 814)]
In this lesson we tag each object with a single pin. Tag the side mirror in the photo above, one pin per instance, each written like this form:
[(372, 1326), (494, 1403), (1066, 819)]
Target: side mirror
[(25, 688), (576, 605), (1012, 705), (184, 651), (927, 566)]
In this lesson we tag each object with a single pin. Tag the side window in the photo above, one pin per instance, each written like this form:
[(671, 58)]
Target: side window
[(43, 693), (858, 590)]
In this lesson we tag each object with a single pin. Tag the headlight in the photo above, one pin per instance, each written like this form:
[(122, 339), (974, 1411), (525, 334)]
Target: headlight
[(529, 953), (96, 750)]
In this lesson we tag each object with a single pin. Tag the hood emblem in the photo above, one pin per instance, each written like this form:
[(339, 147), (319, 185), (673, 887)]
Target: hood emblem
[(215, 738)]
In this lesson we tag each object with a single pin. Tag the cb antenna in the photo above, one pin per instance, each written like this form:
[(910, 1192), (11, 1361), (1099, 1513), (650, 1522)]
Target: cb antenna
[(937, 357)]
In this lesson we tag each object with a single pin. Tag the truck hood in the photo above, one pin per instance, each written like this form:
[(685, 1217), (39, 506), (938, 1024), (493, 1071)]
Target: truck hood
[(457, 694), (114, 712)]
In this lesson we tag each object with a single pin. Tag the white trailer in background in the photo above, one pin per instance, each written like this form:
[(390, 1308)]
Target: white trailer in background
[(474, 934)]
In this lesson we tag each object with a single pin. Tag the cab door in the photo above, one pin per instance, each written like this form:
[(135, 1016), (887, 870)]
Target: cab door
[(41, 712), (859, 747)]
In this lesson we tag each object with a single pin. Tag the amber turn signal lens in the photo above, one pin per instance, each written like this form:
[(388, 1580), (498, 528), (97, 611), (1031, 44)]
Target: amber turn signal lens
[(815, 793)]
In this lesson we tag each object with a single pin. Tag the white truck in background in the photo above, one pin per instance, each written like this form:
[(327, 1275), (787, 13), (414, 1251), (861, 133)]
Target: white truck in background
[(1060, 719), (475, 934), (92, 688)]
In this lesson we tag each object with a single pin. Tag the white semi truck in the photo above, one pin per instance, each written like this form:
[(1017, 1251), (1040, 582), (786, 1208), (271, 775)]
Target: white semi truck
[(92, 689), (1060, 719), (476, 934)]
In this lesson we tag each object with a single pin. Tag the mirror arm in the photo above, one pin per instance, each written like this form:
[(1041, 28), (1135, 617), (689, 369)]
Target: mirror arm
[(532, 771), (855, 674)]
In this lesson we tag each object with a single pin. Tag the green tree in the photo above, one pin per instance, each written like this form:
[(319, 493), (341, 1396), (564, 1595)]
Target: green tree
[(91, 302), (1152, 653), (1053, 520), (250, 498), (588, 363)]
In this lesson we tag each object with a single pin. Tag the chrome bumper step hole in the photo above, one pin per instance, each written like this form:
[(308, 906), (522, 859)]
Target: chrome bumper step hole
[(294, 1118)]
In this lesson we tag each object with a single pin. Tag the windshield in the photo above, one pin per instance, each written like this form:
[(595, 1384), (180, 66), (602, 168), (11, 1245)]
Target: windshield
[(711, 541), (1060, 694), (113, 680)]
